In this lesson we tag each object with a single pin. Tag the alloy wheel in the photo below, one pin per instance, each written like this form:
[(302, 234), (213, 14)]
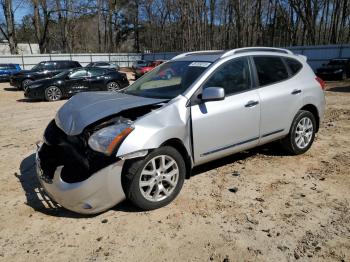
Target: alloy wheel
[(53, 93), (304, 132), (159, 178), (113, 86)]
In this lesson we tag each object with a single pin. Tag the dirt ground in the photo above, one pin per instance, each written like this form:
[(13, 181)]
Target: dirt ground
[(258, 205)]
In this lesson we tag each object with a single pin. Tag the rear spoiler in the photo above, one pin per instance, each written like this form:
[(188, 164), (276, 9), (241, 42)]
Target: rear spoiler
[(303, 57)]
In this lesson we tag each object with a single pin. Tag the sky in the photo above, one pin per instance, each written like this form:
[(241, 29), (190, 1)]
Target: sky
[(21, 9)]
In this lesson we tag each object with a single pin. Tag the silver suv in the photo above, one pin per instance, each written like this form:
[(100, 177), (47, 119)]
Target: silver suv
[(142, 142)]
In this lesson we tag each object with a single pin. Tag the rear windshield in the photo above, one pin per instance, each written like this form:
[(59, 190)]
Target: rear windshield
[(168, 80)]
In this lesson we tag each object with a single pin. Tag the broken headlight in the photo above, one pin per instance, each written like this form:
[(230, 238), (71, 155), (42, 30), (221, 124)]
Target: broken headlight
[(107, 139)]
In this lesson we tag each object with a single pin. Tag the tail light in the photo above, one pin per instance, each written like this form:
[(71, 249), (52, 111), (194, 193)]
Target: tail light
[(321, 82)]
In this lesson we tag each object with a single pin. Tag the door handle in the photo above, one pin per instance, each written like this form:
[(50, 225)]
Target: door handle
[(251, 103), (296, 91)]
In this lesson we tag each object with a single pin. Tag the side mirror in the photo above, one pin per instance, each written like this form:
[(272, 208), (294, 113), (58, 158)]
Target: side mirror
[(213, 94)]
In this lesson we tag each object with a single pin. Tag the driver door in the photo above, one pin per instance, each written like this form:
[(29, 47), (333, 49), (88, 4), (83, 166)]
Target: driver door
[(227, 126)]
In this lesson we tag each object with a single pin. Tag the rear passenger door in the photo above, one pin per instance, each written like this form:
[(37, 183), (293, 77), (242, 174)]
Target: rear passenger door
[(280, 94), (96, 79)]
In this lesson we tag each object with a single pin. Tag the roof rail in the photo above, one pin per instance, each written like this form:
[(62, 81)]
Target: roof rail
[(195, 52), (256, 49)]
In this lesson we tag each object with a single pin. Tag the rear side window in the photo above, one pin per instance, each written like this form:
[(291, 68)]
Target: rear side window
[(294, 65), (102, 64), (50, 65), (233, 76), (96, 71), (270, 69)]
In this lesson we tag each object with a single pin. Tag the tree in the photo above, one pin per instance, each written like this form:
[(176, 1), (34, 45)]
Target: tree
[(10, 33)]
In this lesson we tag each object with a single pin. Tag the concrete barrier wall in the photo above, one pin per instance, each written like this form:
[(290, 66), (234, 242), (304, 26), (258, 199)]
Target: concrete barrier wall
[(28, 61), (317, 55)]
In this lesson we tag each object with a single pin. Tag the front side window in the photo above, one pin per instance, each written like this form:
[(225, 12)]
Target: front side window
[(270, 69), (233, 76), (168, 80), (78, 74)]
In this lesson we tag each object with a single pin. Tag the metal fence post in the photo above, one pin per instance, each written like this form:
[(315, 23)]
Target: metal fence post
[(340, 51), (90, 57), (22, 62)]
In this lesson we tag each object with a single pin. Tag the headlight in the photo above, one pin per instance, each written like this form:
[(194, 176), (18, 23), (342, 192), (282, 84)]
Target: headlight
[(107, 139), (338, 71)]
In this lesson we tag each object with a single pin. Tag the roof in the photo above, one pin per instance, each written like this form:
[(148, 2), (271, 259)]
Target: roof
[(212, 56)]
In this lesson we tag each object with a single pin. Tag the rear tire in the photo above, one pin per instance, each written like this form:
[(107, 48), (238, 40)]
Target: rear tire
[(154, 181), (113, 86), (301, 134), (25, 83), (53, 93)]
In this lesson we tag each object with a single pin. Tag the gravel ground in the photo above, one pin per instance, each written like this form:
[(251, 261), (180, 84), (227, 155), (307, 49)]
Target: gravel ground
[(258, 205)]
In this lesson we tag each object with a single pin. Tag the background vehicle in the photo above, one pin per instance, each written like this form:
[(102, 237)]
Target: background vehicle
[(103, 64), (141, 70), (42, 70), (143, 142), (75, 81), (140, 63), (335, 69), (6, 70)]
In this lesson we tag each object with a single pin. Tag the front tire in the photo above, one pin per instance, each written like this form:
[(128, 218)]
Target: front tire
[(301, 134), (53, 93), (156, 180)]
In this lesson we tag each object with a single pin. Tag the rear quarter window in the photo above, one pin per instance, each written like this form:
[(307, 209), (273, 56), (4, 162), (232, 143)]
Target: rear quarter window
[(294, 65), (270, 69)]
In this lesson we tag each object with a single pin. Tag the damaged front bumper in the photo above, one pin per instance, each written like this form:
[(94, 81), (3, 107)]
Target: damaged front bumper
[(99, 192)]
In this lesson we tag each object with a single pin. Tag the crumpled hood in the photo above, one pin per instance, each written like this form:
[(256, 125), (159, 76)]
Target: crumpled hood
[(86, 108)]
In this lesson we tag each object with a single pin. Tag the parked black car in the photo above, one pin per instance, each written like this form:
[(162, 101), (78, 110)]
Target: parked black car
[(42, 70), (74, 81), (335, 69)]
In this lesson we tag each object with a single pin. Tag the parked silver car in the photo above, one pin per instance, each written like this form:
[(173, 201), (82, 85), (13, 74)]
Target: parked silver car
[(143, 142)]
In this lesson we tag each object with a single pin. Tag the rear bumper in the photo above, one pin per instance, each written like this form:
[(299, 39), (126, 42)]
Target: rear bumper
[(101, 191), (4, 77), (16, 82)]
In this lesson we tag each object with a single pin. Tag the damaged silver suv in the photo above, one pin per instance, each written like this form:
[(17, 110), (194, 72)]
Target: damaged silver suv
[(142, 142)]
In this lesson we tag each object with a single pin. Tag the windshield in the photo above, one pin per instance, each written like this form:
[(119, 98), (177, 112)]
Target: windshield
[(168, 80)]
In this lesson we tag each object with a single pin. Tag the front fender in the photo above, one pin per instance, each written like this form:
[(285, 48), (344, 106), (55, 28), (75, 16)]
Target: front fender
[(151, 131)]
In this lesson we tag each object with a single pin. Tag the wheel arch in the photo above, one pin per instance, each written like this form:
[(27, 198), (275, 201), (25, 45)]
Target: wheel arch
[(179, 146), (313, 109)]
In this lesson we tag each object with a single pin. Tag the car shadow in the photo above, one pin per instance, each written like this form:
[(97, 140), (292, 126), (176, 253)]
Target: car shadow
[(272, 149), (12, 89), (41, 202), (29, 100), (340, 89)]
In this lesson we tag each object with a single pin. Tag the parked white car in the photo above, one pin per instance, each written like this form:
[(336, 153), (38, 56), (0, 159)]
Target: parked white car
[(143, 142)]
